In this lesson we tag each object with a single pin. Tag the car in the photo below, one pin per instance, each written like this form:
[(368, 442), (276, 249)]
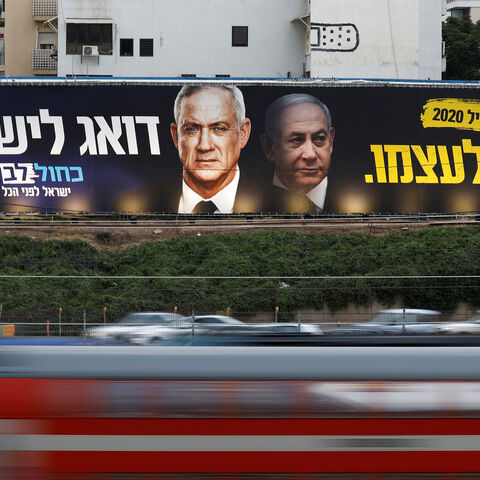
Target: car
[(396, 321), (197, 325), (290, 328), (470, 326), (189, 326), (121, 329), (214, 325)]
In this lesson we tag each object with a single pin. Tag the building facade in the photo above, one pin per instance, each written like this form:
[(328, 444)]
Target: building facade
[(207, 38), (464, 8), (391, 39), (30, 37), (388, 39)]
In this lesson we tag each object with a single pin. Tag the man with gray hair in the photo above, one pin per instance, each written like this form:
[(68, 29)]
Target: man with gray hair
[(209, 132), (298, 139)]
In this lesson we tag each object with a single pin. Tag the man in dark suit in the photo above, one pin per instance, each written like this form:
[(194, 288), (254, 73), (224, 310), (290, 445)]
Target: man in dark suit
[(298, 139), (210, 131)]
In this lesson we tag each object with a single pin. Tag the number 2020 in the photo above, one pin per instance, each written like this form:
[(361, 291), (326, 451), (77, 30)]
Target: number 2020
[(445, 115)]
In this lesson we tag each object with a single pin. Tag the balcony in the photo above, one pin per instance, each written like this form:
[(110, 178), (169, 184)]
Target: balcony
[(44, 9), (43, 63)]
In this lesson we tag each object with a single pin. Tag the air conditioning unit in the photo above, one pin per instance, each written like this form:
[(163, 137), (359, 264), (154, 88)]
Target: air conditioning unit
[(90, 51)]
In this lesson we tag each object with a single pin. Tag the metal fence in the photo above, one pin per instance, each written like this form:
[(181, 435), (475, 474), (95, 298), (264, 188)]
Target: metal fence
[(77, 323), (111, 314)]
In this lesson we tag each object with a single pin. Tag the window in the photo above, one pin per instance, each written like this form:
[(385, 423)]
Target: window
[(46, 40), (146, 47), (460, 12), (222, 75), (208, 320), (188, 75), (239, 36), (126, 47), (80, 34)]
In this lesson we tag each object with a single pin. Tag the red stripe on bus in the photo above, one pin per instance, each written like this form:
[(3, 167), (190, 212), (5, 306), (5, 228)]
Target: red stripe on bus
[(261, 462), (218, 426)]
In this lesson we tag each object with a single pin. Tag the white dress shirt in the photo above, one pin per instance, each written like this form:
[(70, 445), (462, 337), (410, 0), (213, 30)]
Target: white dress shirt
[(223, 200), (316, 195)]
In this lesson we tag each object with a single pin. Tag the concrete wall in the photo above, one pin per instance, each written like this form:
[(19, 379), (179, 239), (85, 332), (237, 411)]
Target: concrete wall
[(430, 65), (388, 39), (192, 37), (475, 14)]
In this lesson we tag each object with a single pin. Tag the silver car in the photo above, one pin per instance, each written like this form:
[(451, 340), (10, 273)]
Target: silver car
[(122, 329), (290, 328), (198, 325), (215, 325), (471, 326), (395, 321)]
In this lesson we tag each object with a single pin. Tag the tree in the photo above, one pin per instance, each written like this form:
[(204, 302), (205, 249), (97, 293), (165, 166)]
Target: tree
[(462, 49)]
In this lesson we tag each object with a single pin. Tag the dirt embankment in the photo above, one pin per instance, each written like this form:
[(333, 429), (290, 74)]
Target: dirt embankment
[(121, 237)]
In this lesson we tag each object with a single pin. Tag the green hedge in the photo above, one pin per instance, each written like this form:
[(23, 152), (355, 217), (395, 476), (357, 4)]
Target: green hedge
[(438, 251)]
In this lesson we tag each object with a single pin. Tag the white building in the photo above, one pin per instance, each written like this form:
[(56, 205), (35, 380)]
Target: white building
[(164, 38), (251, 38), (464, 8), (376, 39)]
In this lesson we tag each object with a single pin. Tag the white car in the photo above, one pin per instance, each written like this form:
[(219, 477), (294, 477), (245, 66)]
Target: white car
[(471, 326), (203, 324), (121, 330), (290, 328)]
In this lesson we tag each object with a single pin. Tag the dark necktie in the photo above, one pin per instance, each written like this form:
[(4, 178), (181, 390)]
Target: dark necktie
[(205, 207)]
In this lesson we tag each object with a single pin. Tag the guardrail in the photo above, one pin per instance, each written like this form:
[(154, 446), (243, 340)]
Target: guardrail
[(138, 217), (146, 334)]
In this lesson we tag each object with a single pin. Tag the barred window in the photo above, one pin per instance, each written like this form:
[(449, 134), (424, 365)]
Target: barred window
[(146, 47), (80, 34)]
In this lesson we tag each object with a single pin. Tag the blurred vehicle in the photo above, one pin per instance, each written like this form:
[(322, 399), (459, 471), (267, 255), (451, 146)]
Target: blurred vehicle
[(239, 412), (290, 328), (395, 321), (215, 325), (469, 327), (198, 325), (121, 330)]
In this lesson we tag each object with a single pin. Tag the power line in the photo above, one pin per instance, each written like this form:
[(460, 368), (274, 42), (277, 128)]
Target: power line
[(247, 277)]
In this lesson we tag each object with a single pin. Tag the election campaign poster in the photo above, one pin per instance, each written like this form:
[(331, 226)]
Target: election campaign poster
[(278, 147)]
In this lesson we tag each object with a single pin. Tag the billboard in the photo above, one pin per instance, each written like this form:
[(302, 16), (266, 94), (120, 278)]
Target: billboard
[(116, 147)]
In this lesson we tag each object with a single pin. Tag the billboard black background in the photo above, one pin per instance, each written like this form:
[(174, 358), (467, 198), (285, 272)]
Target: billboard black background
[(362, 116)]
